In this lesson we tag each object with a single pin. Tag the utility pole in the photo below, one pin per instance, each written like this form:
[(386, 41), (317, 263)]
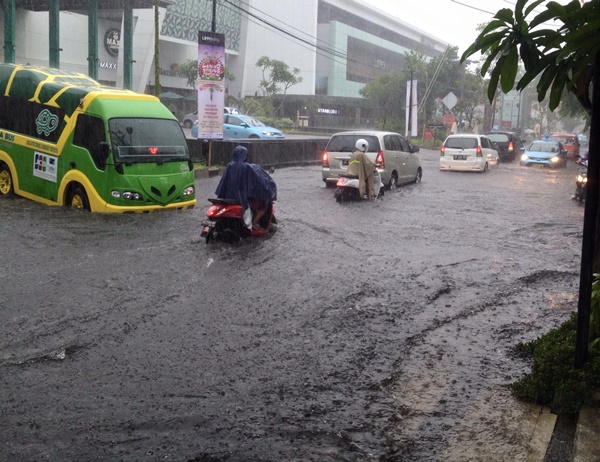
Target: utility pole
[(213, 25), (409, 105), (589, 231), (156, 54)]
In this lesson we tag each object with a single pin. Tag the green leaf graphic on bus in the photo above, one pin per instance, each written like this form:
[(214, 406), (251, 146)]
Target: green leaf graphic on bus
[(46, 122)]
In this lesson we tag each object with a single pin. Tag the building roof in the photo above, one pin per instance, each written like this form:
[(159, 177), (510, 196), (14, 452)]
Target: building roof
[(82, 5)]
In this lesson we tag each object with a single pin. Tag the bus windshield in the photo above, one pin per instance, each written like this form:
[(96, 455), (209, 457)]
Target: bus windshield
[(147, 140)]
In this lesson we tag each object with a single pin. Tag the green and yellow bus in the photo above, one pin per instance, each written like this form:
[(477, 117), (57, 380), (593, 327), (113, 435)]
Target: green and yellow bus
[(67, 140)]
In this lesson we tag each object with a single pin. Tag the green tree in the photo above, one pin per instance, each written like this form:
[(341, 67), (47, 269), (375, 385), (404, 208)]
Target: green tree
[(277, 76), (571, 108), (387, 93), (472, 96), (563, 58)]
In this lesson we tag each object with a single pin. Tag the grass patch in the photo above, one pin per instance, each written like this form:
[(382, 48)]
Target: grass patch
[(554, 380)]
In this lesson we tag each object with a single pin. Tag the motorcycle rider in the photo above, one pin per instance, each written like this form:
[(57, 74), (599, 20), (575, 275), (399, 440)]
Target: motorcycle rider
[(580, 189), (362, 167), (248, 184)]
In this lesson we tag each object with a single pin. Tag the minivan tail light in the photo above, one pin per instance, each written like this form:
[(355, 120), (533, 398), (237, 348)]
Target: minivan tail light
[(379, 161), (510, 146), (442, 150), (479, 153), (325, 160)]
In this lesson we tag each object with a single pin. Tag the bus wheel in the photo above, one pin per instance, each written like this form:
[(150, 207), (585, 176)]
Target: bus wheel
[(6, 184), (78, 198)]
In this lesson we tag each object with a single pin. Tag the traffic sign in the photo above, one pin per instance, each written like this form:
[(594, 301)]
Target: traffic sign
[(450, 100)]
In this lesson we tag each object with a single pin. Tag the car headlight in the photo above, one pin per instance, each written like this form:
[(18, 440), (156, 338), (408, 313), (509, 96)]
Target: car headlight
[(524, 157), (188, 191), (555, 159)]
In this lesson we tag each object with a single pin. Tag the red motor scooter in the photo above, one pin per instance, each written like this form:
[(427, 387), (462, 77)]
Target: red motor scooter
[(225, 221)]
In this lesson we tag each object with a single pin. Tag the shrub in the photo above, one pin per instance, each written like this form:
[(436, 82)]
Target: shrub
[(554, 380), (282, 124)]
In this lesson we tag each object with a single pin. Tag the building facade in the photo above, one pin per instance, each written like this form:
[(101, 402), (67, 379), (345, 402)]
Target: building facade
[(337, 45)]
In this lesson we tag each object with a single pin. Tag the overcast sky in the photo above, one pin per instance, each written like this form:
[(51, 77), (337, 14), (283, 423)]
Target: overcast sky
[(453, 21)]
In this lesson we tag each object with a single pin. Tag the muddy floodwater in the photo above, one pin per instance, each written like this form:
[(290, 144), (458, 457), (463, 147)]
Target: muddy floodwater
[(356, 332)]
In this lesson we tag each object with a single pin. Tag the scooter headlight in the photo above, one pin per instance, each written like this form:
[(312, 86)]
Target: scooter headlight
[(581, 179)]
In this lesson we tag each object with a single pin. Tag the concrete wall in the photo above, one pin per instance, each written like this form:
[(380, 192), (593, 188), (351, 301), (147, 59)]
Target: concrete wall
[(267, 153)]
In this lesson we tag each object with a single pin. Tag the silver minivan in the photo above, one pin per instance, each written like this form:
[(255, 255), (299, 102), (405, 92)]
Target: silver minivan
[(395, 158)]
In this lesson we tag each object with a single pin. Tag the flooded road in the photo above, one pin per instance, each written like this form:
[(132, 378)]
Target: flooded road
[(360, 331)]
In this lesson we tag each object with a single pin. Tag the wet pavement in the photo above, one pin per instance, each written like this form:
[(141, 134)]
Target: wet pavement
[(354, 332)]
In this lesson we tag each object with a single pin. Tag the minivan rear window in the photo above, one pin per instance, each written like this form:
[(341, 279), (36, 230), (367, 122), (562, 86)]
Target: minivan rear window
[(461, 143), (347, 143), (498, 137)]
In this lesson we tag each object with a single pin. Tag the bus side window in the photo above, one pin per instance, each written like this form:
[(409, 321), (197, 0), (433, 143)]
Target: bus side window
[(89, 133)]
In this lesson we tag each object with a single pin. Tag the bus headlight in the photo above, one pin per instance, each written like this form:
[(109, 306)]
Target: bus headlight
[(188, 191), (132, 196)]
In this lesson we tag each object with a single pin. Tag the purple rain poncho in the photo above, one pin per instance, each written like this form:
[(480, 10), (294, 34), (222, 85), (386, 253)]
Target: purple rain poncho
[(241, 180)]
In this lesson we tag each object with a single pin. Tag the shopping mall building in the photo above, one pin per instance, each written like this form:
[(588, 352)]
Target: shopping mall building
[(338, 45)]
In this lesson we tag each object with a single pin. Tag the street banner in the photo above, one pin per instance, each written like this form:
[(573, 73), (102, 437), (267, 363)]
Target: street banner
[(211, 85), (411, 109)]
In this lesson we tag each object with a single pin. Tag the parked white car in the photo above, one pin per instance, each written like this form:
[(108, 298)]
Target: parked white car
[(468, 153)]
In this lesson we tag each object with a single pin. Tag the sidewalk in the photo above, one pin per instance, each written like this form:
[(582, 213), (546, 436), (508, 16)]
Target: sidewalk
[(498, 427), (587, 436), (586, 441)]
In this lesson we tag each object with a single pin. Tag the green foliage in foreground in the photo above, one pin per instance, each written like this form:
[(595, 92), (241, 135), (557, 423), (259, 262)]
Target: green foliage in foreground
[(553, 380)]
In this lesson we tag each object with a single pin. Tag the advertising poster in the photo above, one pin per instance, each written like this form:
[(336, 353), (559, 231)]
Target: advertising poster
[(211, 85), (45, 166)]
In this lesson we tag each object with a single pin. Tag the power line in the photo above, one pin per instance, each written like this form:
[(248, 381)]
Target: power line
[(472, 7), (325, 51), (493, 14), (285, 32)]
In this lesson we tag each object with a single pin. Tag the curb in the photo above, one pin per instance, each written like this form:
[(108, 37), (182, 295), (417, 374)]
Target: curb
[(541, 436), (587, 435), (206, 172)]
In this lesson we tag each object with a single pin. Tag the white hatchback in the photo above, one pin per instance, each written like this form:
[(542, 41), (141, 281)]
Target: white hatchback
[(468, 152)]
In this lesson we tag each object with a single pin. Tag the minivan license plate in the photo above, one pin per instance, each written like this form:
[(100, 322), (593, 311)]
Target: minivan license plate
[(460, 157)]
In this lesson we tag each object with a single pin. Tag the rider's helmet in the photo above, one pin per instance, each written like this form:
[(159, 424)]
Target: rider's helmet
[(362, 145)]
